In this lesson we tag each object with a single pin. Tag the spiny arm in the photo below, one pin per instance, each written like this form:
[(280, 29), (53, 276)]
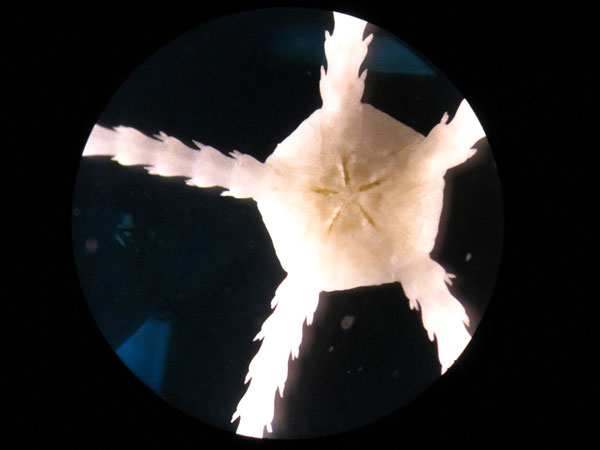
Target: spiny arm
[(281, 335), (449, 143), (341, 86), (164, 155), (424, 283)]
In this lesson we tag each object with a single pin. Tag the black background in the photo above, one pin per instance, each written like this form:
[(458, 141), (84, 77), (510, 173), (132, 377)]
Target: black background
[(526, 376), (206, 263)]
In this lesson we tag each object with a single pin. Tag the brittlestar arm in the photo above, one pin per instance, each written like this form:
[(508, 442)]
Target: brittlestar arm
[(449, 143), (164, 155), (424, 282), (341, 85), (281, 334)]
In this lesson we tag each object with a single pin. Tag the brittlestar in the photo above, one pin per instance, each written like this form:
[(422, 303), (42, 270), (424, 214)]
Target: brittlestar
[(347, 195), (351, 198)]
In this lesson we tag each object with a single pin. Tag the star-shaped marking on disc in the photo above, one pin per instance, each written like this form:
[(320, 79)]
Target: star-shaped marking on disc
[(348, 196)]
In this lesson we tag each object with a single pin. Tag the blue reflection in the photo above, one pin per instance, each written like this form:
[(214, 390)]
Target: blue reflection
[(145, 352), (386, 54), (390, 56)]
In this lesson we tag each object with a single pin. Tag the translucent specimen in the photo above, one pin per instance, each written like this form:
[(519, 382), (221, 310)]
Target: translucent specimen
[(351, 198)]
